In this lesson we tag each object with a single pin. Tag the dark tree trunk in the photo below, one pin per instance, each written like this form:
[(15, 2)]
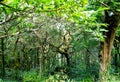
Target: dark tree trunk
[(105, 55), (87, 59), (116, 63), (66, 54), (3, 59), (117, 54), (37, 52), (16, 63), (67, 59)]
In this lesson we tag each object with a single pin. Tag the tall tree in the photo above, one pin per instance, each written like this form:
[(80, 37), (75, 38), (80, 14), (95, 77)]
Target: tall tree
[(112, 19), (113, 22)]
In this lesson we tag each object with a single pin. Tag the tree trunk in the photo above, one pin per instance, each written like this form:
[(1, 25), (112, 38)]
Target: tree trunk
[(117, 54), (67, 59), (105, 55), (87, 59), (41, 63), (66, 54), (3, 58), (16, 63)]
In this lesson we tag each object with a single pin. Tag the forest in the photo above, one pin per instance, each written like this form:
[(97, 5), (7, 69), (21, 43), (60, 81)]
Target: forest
[(59, 41)]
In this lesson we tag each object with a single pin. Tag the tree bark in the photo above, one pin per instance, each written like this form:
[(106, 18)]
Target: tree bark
[(66, 54), (117, 54), (40, 66), (87, 59), (106, 46), (3, 58), (67, 59)]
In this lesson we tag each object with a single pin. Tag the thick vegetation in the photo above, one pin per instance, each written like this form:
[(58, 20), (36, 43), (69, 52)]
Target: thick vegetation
[(59, 41)]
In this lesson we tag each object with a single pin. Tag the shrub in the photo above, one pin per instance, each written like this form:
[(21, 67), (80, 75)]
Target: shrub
[(31, 76)]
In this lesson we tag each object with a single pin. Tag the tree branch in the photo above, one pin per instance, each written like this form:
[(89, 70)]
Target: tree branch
[(9, 7), (15, 34), (8, 20)]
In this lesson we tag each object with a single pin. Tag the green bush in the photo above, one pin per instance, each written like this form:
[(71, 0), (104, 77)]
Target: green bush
[(31, 76), (87, 80), (1, 80), (113, 78)]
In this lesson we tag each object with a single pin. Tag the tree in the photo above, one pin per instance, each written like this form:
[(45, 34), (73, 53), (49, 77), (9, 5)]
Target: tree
[(111, 18), (113, 22)]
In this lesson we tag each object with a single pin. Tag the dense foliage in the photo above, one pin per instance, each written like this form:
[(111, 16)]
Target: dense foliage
[(59, 40)]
